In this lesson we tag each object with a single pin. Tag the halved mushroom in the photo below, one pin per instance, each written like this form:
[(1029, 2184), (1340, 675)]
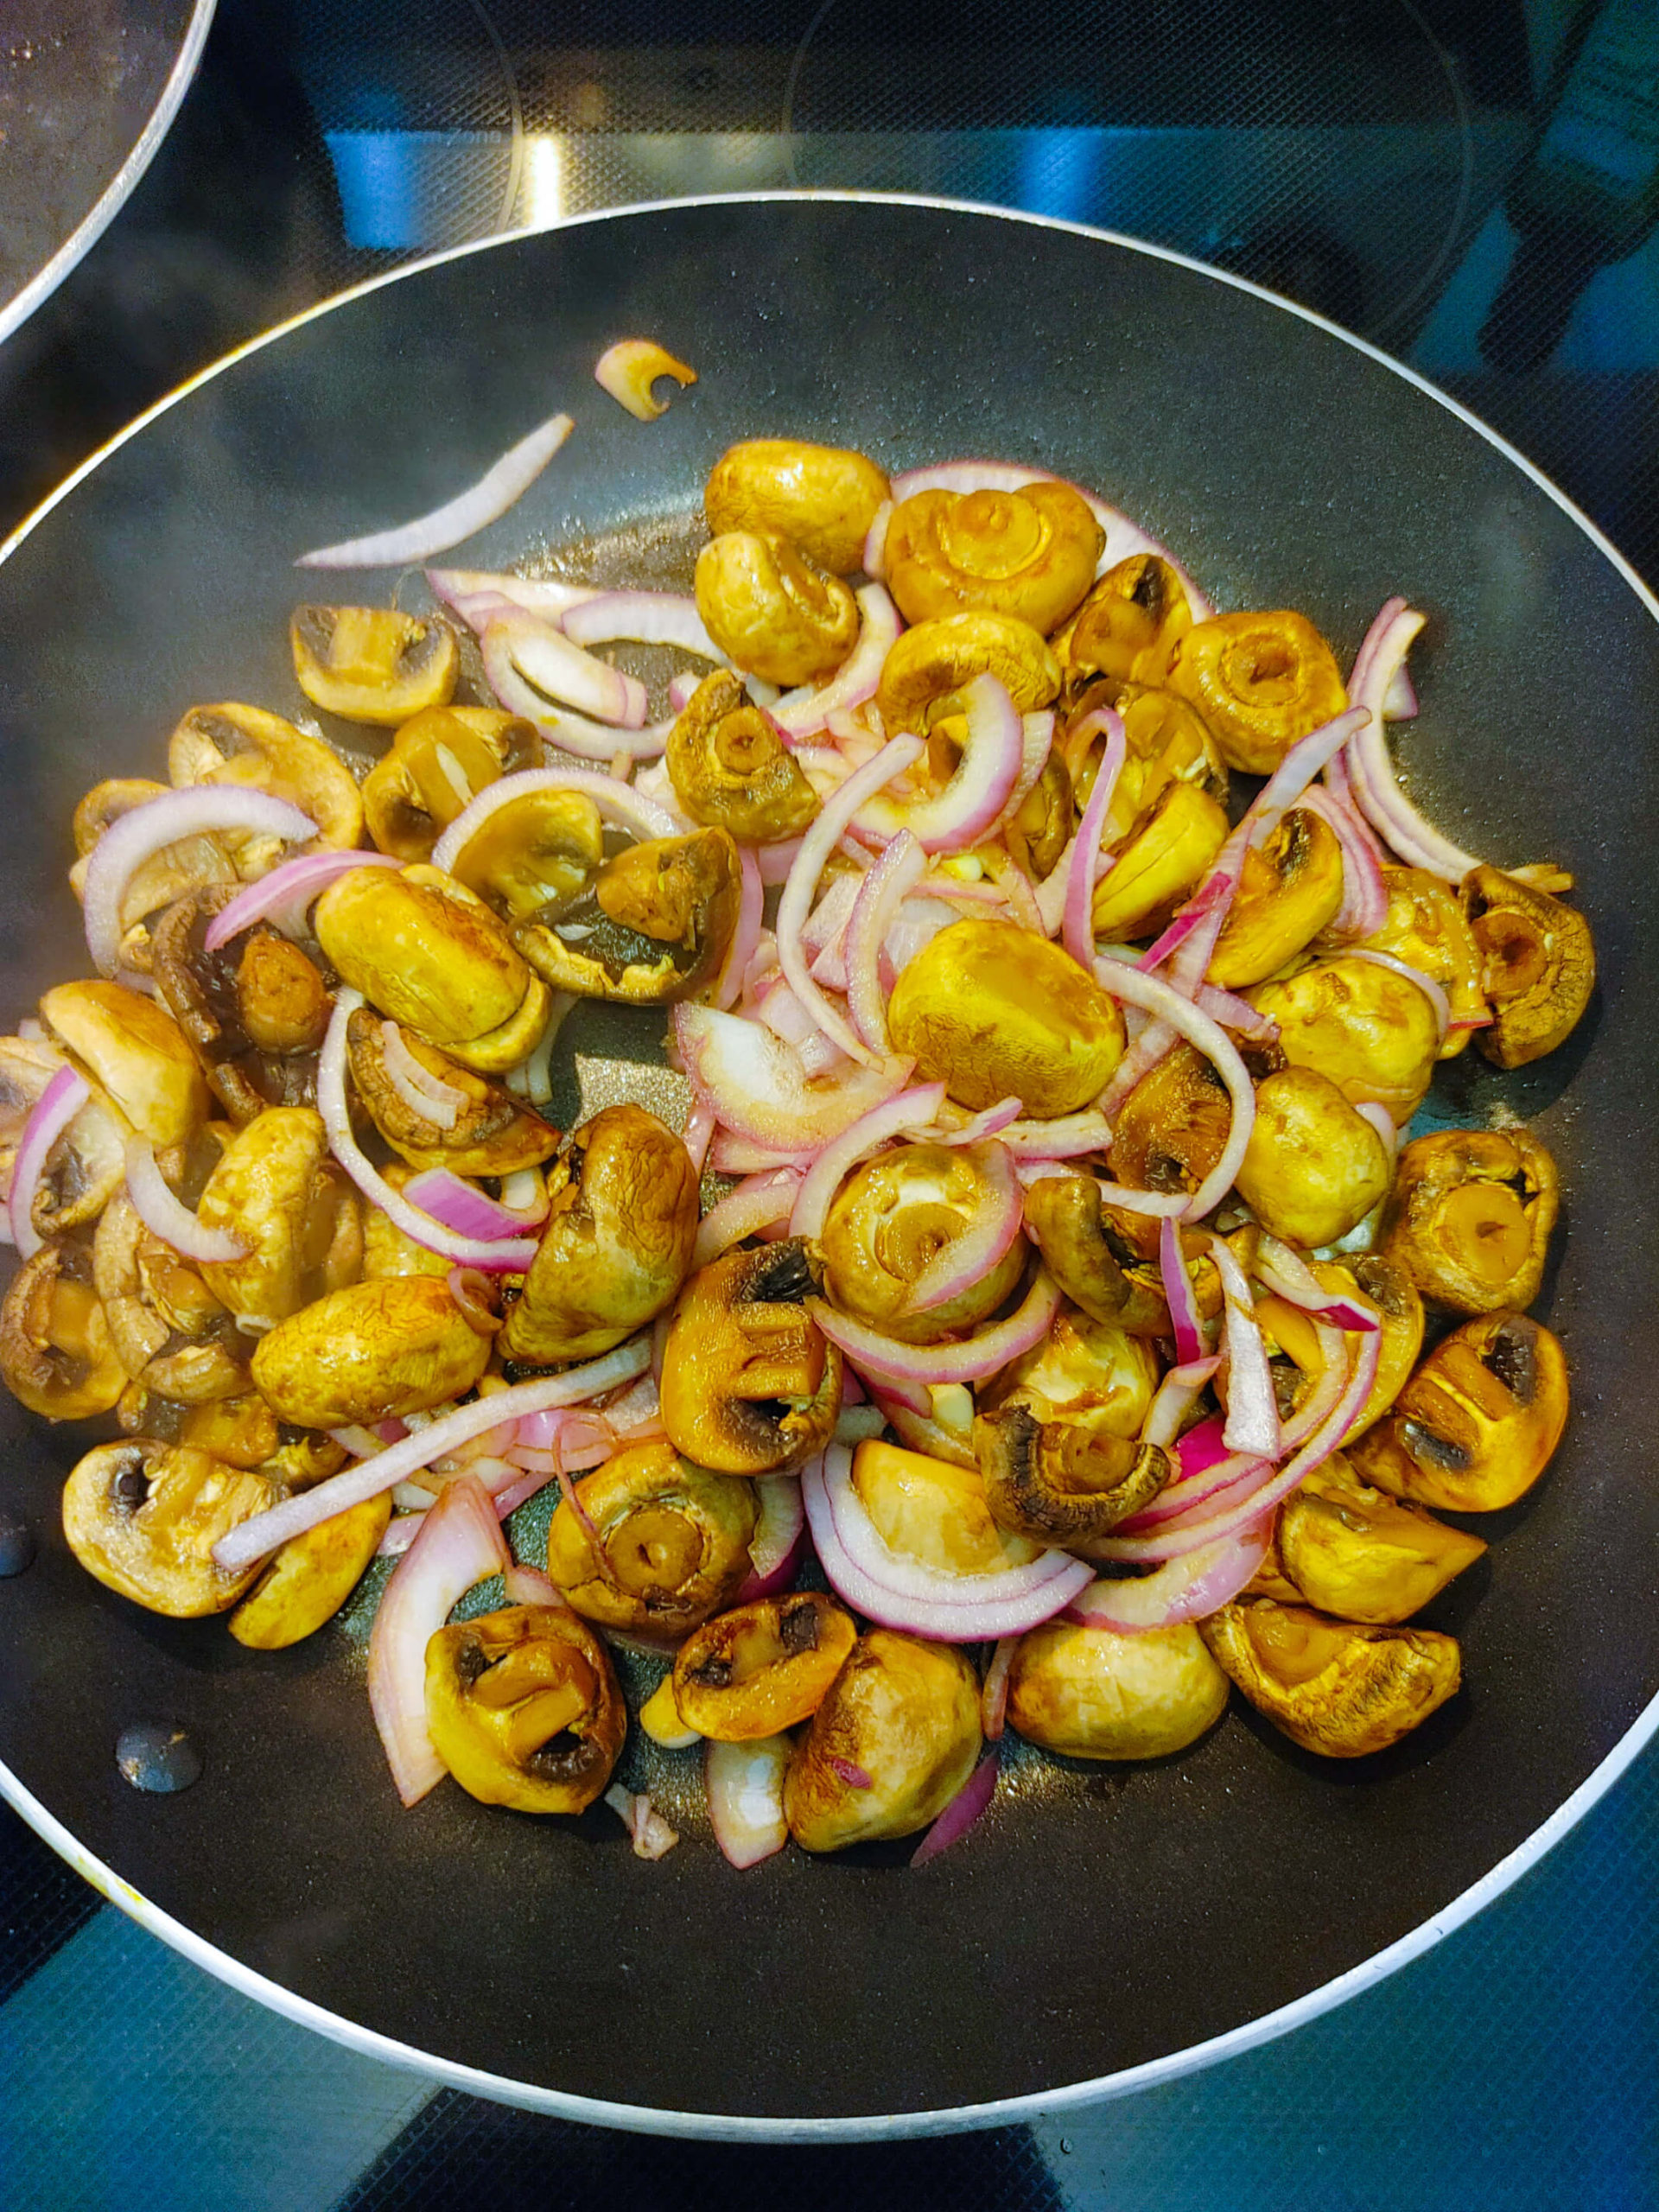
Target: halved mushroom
[(731, 770), (373, 664), (616, 1246), (1088, 1373), (1314, 1167), (1099, 1270), (1427, 927), (1363, 1555), (749, 1383), (1092, 1694), (1340, 1689), (1029, 553), (1165, 742), (1174, 1125), (1390, 1291), (893, 1741), (170, 1332), (762, 1668), (932, 663), (1538, 965), (492, 1132), (255, 1010), (135, 1052), (1261, 681), (1289, 888), (1129, 627), (243, 1432), (436, 766), (156, 882), (892, 1218), (1041, 827), (87, 1164), (652, 1542), (1477, 1423), (1168, 851), (523, 1707), (653, 926), (55, 1353), (820, 498), (993, 1010), (1061, 1482), (534, 857), (1469, 1215), (371, 1352), (933, 1511), (276, 1189), (143, 1518), (771, 610), (306, 1583), (1374, 1032), (233, 744), (429, 953)]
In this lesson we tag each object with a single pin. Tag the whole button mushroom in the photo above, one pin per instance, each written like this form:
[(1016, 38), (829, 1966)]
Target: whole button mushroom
[(1092, 1693), (1374, 1032), (229, 743), (143, 1518), (764, 1667), (276, 1190), (1426, 926), (1538, 965), (930, 664), (731, 770), (374, 1351), (822, 498), (1029, 553), (1164, 856), (895, 1739), (1261, 681), (1060, 1482), (55, 1353), (1289, 888), (771, 611), (750, 1385), (1129, 625), (1365, 1556), (438, 761), (893, 1217), (1470, 1216), (135, 1052), (523, 1709), (652, 1542), (1314, 1167)]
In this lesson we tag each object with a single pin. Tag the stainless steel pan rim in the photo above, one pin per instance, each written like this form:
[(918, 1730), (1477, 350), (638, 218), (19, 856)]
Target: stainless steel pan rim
[(646, 2120)]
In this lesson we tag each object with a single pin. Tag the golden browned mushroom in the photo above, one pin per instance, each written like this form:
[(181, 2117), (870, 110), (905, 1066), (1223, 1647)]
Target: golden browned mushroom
[(771, 610), (764, 1667), (1037, 831), (1129, 627), (1538, 965), (534, 855), (492, 1132), (617, 1244), (1092, 1374), (244, 745), (135, 1052), (1261, 681), (1172, 1127), (1427, 928), (255, 1009), (1165, 741), (1166, 854), (822, 498), (1337, 1688), (430, 954), (170, 1332), (242, 1432), (436, 766), (1289, 889), (993, 1010), (143, 1518), (371, 1352), (307, 1582), (1477, 1423), (750, 1385), (276, 1190), (55, 1353), (1363, 1555), (938, 1513), (1389, 1290), (1469, 1215), (1098, 1269), (1373, 1031), (1061, 1482), (896, 1215), (731, 770), (931, 664), (1092, 1694), (85, 1167), (651, 1541), (373, 664), (1314, 1167), (653, 926), (386, 1250), (891, 1744), (190, 865), (1029, 553), (523, 1707)]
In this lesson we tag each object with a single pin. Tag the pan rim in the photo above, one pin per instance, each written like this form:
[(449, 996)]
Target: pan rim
[(647, 2119)]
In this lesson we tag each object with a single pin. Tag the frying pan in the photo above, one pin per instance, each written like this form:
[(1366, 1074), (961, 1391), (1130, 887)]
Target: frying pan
[(1102, 1927)]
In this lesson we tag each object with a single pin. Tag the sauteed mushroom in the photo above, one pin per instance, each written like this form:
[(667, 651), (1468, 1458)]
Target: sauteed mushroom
[(890, 1746), (730, 769), (242, 1432), (895, 1215), (749, 1385), (763, 1667), (308, 1581), (1165, 741), (55, 1353), (1390, 1291), (1172, 1127), (771, 610), (540, 851), (155, 883), (135, 1052), (1477, 1424), (1469, 1216), (492, 1132), (933, 662), (371, 1352), (255, 1010), (87, 1166), (386, 1250), (143, 1518), (1086, 1372), (1427, 928), (1092, 1694), (822, 498), (1041, 827), (373, 664), (1314, 1167), (993, 1010), (1538, 965), (1098, 1269), (621, 1222), (1372, 1031), (1362, 1554), (654, 926), (936, 1512), (233, 744), (1029, 553), (651, 1541), (1261, 681), (523, 1707), (170, 1332), (436, 766), (1061, 1482), (1129, 625), (1337, 1688), (276, 1190), (1289, 888), (1161, 862)]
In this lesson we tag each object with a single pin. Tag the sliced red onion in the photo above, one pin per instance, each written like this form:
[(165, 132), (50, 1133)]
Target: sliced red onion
[(1236, 1014), (459, 1543), (54, 1110), (462, 517), (461, 1206), (1161, 999), (285, 897), (918, 921), (879, 896), (698, 1133), (1364, 905), (618, 804), (1284, 1271), (427, 1096), (556, 669), (874, 559), (744, 1212), (1037, 742), (971, 804), (776, 862), (1426, 985), (575, 733), (855, 680), (910, 1109), (1284, 788), (1222, 1479), (167, 1216), (971, 1361), (647, 618), (478, 595), (1015, 886), (756, 1085), (1252, 1409), (1216, 888), (827, 923), (984, 1245), (777, 1006), (148, 829), (746, 934), (990, 1123), (1376, 786), (1400, 700), (681, 688), (357, 1440), (993, 1691), (527, 1585), (1186, 1589), (960, 1814), (734, 1155), (1372, 1110), (745, 1782), (1077, 927), (652, 1834), (780, 1535), (524, 1195), (1066, 1138), (1174, 1399), (1178, 1289)]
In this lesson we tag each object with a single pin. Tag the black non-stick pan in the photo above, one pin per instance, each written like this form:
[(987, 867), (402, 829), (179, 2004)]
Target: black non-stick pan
[(1103, 1926)]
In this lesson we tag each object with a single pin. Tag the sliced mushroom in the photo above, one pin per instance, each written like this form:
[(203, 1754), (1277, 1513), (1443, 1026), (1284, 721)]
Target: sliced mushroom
[(1261, 681), (1099, 1270), (1174, 1125), (1289, 889), (893, 1741), (170, 1332), (436, 766), (621, 1222), (932, 663), (523, 1709), (1538, 965), (242, 1432), (820, 498), (651, 1541), (1129, 627), (308, 1581), (1060, 1482), (373, 664), (1314, 1167), (535, 855), (731, 770), (892, 1218), (1469, 1216), (762, 1668), (1161, 862), (1029, 553), (277, 1190), (86, 1166), (771, 611), (55, 1353), (1337, 1688), (371, 1352), (143, 1518), (492, 1133), (1092, 1694), (1477, 1424), (1427, 927), (1086, 1373), (244, 745), (1374, 1032), (653, 926), (135, 1052), (749, 1383), (1363, 1555)]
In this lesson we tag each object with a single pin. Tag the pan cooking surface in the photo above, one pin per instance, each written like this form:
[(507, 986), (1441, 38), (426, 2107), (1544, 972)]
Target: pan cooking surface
[(1097, 1918)]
